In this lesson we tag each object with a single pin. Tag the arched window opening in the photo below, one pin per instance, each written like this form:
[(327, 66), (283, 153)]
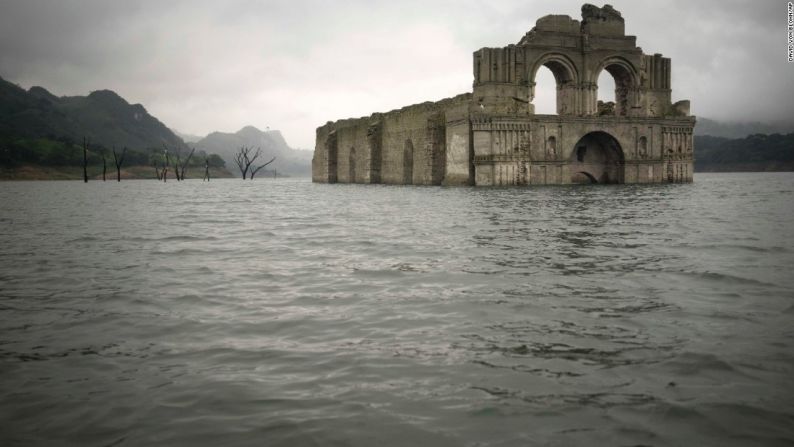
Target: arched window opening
[(620, 86), (553, 88), (606, 94), (545, 92)]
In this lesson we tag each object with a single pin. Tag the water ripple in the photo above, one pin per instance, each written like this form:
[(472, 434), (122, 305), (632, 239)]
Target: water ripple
[(291, 313)]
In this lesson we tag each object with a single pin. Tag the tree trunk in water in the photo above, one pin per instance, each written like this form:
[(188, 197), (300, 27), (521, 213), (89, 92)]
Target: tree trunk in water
[(184, 165), (85, 161), (165, 168), (176, 166), (118, 161)]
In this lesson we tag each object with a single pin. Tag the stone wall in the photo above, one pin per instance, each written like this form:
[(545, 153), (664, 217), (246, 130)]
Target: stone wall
[(542, 149), (404, 146), (493, 137)]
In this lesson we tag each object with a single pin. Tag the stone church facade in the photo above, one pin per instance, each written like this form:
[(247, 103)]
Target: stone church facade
[(493, 137)]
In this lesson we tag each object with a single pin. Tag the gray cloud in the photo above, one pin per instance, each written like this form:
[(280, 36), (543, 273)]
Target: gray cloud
[(204, 65)]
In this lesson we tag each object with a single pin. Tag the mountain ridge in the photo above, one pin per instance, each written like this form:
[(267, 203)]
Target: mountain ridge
[(739, 129), (103, 117), (289, 161)]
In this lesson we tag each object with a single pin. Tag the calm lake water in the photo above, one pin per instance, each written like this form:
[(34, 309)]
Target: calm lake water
[(286, 313)]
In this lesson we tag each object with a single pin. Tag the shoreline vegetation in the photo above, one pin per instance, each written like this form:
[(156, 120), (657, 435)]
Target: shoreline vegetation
[(45, 137), (62, 159), (138, 172), (32, 172), (101, 135), (753, 153)]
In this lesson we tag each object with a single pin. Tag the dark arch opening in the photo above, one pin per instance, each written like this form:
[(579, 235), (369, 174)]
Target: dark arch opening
[(597, 158), (583, 177)]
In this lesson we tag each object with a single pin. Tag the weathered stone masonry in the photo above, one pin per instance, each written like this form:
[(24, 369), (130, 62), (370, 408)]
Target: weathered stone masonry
[(493, 137)]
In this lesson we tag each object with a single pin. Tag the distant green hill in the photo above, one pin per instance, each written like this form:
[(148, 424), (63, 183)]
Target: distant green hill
[(39, 129), (756, 152), (740, 129), (103, 117)]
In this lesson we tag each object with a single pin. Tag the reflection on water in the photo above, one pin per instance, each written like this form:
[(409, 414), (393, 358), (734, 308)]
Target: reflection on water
[(290, 313)]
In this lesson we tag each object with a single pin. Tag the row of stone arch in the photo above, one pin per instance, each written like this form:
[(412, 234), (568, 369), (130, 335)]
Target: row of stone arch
[(565, 71), (577, 92), (355, 176), (597, 157)]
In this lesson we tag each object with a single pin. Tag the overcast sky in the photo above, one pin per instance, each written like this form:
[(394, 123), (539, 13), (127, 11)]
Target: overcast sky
[(201, 66)]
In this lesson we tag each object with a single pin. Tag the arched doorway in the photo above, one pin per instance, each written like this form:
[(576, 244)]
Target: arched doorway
[(597, 158)]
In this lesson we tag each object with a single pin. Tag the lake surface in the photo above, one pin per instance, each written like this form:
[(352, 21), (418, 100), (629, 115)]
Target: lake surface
[(286, 313)]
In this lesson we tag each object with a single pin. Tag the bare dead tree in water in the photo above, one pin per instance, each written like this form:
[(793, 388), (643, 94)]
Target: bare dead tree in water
[(178, 154), (238, 160), (85, 160), (181, 167), (166, 162), (206, 169), (119, 160), (243, 160), (254, 171), (104, 165), (187, 162)]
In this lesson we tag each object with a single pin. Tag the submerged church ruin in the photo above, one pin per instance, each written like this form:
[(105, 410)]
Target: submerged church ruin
[(493, 136)]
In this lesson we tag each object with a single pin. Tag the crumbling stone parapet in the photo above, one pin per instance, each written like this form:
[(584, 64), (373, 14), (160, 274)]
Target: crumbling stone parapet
[(493, 136)]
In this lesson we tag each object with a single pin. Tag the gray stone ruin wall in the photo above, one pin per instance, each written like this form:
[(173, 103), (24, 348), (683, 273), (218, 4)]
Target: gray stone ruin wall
[(494, 137), (542, 150), (405, 146)]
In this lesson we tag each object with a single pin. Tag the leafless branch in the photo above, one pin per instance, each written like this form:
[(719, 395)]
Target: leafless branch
[(245, 159), (177, 151), (119, 160), (187, 161), (254, 171), (239, 159)]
